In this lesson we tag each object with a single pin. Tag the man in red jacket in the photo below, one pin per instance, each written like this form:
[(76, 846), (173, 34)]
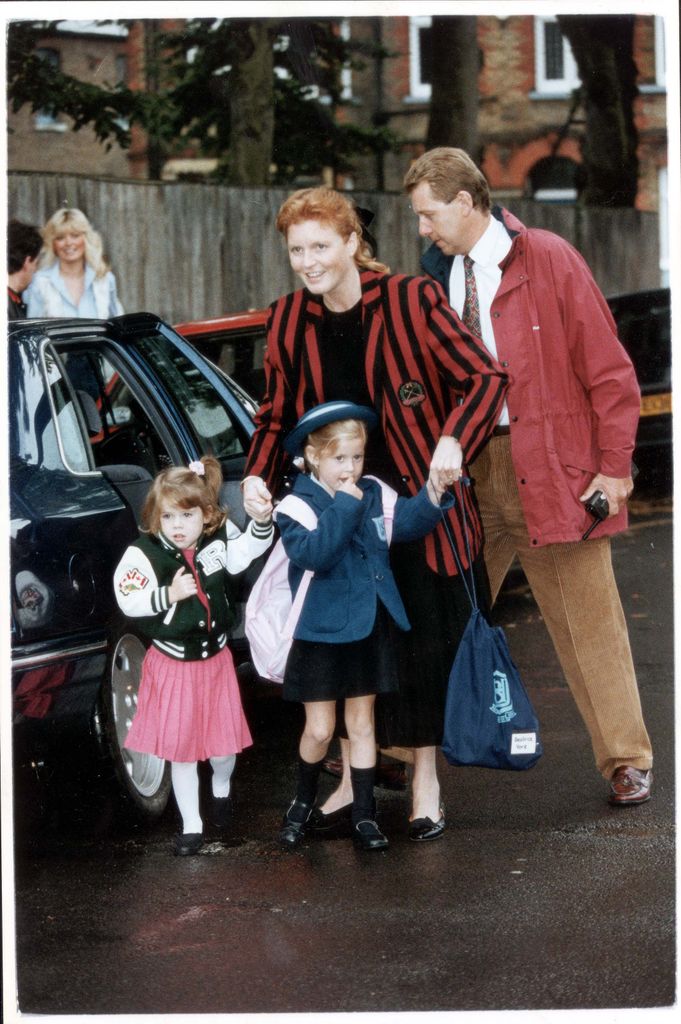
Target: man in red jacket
[(567, 431)]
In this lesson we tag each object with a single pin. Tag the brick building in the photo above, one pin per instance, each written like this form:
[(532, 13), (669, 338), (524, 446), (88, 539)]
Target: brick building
[(527, 74), (525, 82), (38, 141)]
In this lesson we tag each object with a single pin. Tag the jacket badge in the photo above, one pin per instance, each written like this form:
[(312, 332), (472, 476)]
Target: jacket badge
[(212, 558), (132, 581), (411, 393)]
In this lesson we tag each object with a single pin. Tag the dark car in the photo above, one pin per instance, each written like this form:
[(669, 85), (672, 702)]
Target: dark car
[(644, 328), (96, 409)]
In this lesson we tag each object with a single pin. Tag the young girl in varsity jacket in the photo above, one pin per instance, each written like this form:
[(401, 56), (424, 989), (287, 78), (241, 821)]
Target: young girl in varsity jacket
[(344, 641), (172, 581)]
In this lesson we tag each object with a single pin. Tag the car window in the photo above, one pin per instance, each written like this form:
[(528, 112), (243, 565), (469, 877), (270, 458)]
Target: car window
[(45, 428), (118, 428), (210, 418), (239, 354), (69, 428)]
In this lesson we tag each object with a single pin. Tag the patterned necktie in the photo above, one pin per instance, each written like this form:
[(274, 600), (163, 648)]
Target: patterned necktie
[(471, 307)]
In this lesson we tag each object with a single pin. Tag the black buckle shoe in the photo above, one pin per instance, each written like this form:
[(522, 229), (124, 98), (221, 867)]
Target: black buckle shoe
[(366, 835), (320, 822), (188, 843), (294, 824), (424, 830)]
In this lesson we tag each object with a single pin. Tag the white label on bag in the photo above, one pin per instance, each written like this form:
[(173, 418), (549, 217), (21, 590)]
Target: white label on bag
[(524, 743)]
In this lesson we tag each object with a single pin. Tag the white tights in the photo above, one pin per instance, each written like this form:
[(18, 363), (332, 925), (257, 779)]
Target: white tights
[(185, 778)]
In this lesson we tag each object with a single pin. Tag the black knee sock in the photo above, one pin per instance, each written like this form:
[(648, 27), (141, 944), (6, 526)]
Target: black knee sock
[(308, 778), (363, 804)]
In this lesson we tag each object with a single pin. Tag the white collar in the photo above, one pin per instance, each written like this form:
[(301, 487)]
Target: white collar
[(492, 246)]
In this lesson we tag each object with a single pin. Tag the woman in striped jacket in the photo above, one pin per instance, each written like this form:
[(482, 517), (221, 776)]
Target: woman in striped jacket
[(359, 333)]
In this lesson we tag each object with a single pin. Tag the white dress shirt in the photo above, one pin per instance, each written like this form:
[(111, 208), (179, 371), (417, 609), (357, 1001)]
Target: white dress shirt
[(487, 253)]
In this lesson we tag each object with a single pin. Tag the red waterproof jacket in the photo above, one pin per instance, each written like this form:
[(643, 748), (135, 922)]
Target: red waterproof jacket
[(573, 398)]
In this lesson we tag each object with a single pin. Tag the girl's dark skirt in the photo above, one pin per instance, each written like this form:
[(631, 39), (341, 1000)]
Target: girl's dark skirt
[(438, 609), (320, 671)]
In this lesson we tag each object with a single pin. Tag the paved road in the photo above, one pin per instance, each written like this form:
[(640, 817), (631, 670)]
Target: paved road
[(539, 897)]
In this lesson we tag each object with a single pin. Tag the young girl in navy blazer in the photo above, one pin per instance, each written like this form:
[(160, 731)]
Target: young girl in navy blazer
[(172, 581), (342, 645)]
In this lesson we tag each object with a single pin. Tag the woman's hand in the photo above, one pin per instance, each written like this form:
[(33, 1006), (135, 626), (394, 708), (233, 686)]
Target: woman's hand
[(257, 499), (446, 464), (183, 586)]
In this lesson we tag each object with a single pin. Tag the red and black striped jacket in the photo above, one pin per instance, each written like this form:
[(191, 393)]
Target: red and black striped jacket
[(426, 374)]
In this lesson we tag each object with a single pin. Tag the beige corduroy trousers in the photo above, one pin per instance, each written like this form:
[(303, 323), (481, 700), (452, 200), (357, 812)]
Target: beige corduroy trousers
[(575, 589)]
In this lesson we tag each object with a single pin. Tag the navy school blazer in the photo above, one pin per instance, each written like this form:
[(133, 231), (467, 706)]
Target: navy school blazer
[(348, 553)]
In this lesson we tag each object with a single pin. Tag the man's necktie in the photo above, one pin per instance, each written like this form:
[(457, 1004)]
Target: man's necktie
[(471, 307)]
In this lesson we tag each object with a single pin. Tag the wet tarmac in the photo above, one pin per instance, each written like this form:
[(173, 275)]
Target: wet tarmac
[(539, 896)]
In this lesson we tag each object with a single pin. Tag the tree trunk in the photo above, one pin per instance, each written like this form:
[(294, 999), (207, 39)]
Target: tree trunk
[(603, 49), (251, 107), (454, 97), (155, 149)]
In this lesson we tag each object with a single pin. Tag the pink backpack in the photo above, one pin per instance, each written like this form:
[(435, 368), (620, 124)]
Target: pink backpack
[(271, 614)]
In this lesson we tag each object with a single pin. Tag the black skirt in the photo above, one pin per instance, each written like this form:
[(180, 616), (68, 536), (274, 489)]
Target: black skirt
[(438, 609), (319, 671)]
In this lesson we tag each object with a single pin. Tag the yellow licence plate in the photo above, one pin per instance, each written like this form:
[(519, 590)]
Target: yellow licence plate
[(656, 405)]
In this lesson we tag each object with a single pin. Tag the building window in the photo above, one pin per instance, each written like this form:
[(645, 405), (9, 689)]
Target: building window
[(554, 179), (555, 67), (660, 55), (44, 120), (121, 61), (420, 35), (346, 73)]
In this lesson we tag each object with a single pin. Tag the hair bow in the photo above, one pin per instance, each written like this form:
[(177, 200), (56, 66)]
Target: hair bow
[(198, 468)]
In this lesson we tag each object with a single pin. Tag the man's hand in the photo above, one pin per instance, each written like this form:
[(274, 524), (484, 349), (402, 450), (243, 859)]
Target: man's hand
[(257, 499), (446, 464), (183, 586), (616, 489)]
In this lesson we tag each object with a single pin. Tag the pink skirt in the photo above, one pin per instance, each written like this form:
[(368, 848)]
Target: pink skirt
[(188, 710)]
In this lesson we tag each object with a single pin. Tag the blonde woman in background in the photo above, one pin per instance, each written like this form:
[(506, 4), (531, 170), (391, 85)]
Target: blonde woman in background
[(74, 280)]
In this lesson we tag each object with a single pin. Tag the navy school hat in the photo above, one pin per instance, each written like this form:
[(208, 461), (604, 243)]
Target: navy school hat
[(318, 417)]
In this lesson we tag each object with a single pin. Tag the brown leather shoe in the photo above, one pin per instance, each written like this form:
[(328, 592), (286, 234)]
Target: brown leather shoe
[(630, 786)]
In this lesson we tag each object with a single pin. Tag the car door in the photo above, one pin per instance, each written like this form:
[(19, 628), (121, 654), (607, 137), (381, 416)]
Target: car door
[(96, 410)]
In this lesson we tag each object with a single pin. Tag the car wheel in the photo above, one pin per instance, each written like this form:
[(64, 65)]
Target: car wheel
[(143, 779)]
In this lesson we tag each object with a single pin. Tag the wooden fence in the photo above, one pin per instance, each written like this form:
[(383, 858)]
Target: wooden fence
[(189, 251)]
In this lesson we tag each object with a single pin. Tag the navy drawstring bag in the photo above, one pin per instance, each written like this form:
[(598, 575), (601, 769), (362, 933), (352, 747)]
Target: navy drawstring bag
[(489, 719)]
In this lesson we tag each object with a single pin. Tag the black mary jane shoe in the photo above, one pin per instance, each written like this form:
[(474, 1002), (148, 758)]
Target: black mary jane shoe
[(320, 822), (366, 835), (188, 843), (221, 811), (424, 830), (294, 825)]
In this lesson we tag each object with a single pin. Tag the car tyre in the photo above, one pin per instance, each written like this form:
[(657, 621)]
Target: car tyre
[(142, 780)]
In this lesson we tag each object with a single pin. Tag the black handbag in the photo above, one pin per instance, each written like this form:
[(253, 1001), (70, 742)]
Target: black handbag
[(489, 718)]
